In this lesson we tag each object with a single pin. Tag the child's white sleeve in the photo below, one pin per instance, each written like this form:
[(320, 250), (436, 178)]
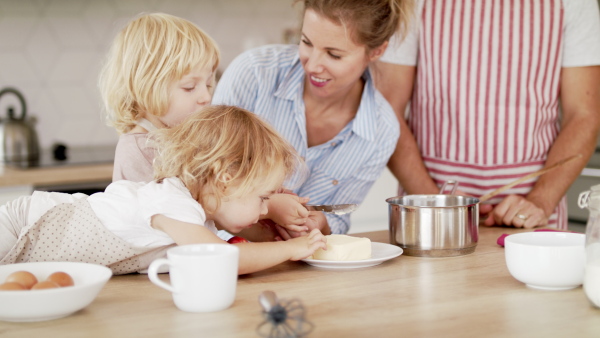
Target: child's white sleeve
[(13, 218), (172, 200)]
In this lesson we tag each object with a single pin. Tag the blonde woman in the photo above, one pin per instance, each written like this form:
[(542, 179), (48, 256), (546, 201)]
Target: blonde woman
[(213, 172), (320, 96), (160, 69)]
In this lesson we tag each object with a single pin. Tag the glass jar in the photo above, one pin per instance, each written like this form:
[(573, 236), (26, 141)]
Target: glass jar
[(591, 283)]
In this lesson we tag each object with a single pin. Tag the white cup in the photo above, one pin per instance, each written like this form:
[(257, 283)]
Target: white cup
[(203, 276)]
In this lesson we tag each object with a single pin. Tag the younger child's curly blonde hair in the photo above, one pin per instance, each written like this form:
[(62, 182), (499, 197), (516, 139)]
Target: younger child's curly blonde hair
[(148, 55), (220, 142)]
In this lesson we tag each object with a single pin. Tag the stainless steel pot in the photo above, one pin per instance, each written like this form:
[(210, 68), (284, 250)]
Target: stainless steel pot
[(434, 225)]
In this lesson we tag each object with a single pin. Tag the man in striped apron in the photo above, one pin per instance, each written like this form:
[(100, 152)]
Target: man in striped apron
[(488, 77)]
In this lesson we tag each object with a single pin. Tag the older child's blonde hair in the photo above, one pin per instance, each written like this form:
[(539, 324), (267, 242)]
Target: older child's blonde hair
[(221, 142), (147, 56)]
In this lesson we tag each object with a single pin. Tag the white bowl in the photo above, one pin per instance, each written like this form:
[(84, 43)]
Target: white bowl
[(546, 260), (46, 304)]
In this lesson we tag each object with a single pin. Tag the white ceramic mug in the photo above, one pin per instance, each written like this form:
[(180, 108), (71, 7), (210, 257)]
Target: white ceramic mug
[(203, 276)]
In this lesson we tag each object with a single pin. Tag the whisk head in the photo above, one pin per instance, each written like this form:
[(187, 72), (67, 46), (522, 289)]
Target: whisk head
[(283, 318)]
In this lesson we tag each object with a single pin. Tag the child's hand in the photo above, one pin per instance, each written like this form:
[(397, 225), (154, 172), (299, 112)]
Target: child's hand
[(307, 245), (288, 211)]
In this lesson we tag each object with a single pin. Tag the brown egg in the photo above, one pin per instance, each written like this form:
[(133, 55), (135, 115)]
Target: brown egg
[(25, 278), (61, 278), (47, 284), (12, 286)]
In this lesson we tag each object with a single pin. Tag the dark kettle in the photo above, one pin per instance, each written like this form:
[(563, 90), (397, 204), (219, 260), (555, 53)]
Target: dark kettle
[(19, 145)]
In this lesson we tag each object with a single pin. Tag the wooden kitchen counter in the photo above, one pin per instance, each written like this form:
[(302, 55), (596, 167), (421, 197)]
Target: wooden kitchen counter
[(59, 175), (465, 296)]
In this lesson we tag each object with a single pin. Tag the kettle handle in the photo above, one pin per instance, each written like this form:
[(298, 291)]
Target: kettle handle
[(21, 99)]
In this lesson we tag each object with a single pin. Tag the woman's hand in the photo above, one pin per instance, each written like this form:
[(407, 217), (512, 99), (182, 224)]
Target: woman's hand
[(517, 211)]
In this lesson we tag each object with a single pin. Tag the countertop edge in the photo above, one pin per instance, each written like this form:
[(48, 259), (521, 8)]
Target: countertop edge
[(56, 175)]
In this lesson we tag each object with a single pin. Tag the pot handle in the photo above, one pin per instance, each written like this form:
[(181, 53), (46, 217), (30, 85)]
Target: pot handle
[(453, 188)]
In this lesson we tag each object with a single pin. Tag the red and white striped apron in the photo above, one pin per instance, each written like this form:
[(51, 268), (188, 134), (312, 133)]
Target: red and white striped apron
[(485, 106)]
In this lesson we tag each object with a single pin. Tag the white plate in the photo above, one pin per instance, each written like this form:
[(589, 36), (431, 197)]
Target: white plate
[(380, 252)]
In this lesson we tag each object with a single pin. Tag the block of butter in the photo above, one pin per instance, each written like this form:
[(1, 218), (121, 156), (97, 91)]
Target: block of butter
[(345, 248)]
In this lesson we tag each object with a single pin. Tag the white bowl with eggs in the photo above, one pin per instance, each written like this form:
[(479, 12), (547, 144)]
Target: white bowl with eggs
[(47, 304), (546, 260)]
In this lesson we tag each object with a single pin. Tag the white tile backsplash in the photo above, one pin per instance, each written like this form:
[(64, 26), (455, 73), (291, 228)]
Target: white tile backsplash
[(51, 50), (27, 8), (16, 68), (71, 32), (10, 25), (65, 8), (41, 51)]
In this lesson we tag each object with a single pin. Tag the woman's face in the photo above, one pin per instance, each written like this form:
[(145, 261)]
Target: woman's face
[(332, 62)]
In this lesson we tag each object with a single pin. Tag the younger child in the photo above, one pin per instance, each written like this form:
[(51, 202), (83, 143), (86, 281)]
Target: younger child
[(213, 172)]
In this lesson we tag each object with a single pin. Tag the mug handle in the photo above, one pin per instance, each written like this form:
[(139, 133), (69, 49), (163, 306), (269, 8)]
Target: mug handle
[(153, 273)]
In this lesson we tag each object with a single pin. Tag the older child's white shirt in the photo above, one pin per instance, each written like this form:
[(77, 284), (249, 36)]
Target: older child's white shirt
[(126, 208)]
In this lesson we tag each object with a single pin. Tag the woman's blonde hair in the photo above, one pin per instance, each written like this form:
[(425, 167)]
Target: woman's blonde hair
[(220, 147), (372, 22), (147, 56)]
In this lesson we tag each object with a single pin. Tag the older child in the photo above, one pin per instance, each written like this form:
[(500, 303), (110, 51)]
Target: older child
[(215, 171), (160, 69)]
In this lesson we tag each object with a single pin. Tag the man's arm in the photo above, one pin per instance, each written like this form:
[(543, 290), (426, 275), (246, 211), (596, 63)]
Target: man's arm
[(580, 99)]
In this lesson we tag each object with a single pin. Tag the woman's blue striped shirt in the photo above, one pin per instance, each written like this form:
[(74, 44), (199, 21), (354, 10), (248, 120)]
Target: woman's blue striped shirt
[(269, 81)]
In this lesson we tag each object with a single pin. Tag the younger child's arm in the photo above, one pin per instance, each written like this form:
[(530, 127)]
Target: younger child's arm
[(259, 256), (253, 256), (184, 233)]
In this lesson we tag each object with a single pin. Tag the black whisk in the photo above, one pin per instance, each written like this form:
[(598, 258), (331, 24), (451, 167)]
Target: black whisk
[(284, 318)]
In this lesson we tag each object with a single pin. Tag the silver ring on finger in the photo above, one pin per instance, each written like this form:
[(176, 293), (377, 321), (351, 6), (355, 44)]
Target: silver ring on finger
[(521, 216)]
